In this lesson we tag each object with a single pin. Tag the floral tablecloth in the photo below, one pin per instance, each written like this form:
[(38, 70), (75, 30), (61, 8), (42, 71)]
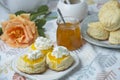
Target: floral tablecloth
[(96, 63)]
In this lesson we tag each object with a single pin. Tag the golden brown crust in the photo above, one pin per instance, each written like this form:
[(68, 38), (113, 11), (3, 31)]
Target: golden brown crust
[(41, 72)]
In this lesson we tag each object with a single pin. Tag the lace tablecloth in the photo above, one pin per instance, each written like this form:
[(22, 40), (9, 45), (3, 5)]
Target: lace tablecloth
[(97, 63)]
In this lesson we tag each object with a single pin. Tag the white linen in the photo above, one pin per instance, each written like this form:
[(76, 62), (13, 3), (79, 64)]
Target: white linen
[(97, 63)]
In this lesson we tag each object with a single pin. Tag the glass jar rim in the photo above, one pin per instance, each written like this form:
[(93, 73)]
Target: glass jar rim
[(72, 22), (68, 19)]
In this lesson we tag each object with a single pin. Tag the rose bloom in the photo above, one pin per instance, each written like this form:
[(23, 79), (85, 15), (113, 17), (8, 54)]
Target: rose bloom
[(19, 31)]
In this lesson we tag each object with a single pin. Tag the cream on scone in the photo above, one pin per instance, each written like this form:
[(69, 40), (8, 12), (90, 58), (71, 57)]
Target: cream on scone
[(32, 62), (45, 45), (60, 59)]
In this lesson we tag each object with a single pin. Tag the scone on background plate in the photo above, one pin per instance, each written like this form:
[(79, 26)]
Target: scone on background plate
[(115, 37), (112, 3), (32, 62), (45, 45), (96, 31), (109, 15), (60, 59)]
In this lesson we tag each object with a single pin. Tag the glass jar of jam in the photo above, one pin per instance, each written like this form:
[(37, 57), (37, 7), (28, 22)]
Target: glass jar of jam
[(68, 33)]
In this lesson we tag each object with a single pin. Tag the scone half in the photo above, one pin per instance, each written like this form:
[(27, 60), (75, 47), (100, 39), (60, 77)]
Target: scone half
[(96, 31), (109, 15), (115, 37), (59, 64), (31, 67)]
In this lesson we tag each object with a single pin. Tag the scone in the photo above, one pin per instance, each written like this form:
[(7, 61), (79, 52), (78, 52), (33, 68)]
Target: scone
[(109, 15), (43, 44), (115, 37), (96, 30), (112, 4), (32, 62), (60, 59)]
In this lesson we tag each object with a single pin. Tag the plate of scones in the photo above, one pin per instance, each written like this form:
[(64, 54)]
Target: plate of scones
[(44, 61), (103, 28)]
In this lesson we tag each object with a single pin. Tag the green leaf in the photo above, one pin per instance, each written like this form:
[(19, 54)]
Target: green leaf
[(43, 8), (41, 32), (41, 13), (35, 15), (20, 12), (1, 32), (40, 23)]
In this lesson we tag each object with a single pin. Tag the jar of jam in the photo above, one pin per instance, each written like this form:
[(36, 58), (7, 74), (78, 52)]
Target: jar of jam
[(68, 33)]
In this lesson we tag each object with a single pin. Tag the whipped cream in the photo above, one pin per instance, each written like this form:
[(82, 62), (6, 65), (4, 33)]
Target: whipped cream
[(34, 54), (60, 51), (43, 43)]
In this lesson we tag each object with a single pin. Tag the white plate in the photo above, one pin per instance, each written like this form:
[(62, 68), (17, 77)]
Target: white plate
[(49, 74), (84, 26)]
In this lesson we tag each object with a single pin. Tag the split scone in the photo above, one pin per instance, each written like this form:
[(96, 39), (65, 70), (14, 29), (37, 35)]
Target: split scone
[(115, 37), (109, 15), (32, 62), (96, 30), (45, 45), (60, 59)]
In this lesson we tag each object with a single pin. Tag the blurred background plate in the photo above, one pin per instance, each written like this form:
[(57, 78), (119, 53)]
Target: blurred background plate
[(84, 26)]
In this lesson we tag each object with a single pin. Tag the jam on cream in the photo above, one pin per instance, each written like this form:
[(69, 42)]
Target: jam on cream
[(60, 51), (43, 43), (32, 55)]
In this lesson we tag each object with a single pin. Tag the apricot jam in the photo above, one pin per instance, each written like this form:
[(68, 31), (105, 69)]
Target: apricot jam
[(69, 36)]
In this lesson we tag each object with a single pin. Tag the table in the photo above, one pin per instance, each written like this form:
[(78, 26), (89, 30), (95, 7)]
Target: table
[(97, 63)]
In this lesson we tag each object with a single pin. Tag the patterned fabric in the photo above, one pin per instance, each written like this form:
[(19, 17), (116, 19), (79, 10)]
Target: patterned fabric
[(18, 77), (7, 54), (96, 63)]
